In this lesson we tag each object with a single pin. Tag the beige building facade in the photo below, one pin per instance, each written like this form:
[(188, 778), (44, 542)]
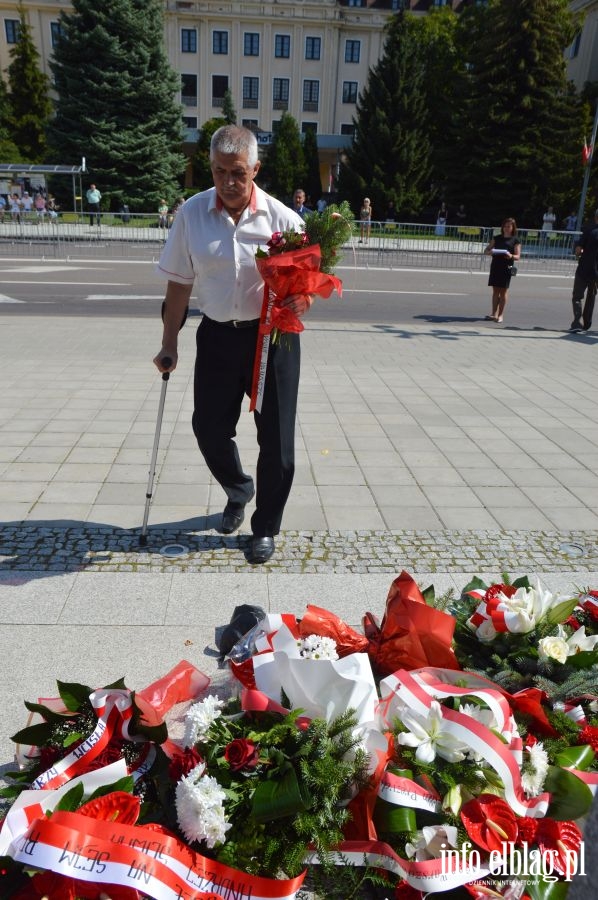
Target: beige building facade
[(308, 57)]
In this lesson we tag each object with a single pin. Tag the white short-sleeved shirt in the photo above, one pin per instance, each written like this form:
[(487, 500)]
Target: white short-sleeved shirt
[(205, 244)]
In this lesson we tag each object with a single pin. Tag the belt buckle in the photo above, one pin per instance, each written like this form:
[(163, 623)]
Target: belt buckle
[(236, 323)]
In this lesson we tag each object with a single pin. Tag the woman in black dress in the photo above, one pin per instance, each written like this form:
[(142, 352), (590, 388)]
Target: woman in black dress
[(505, 250)]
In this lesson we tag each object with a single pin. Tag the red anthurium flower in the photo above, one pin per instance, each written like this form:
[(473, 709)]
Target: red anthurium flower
[(562, 838), (527, 830), (181, 764), (489, 821), (115, 807), (589, 735), (241, 754)]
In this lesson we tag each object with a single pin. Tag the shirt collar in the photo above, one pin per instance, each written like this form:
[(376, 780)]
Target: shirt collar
[(255, 201)]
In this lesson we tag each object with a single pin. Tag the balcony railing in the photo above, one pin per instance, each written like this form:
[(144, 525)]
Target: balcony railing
[(248, 103), (280, 104), (310, 106), (189, 100)]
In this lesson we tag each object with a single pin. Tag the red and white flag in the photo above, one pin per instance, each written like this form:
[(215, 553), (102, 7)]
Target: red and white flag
[(586, 152)]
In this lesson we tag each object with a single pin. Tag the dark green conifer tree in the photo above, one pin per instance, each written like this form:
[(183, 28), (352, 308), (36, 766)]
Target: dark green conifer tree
[(229, 113), (9, 152), (520, 125), (202, 172), (313, 180), (116, 100), (390, 155), (29, 106), (284, 163)]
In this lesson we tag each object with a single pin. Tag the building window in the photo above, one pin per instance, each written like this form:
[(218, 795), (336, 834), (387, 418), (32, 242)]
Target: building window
[(282, 46), (355, 3), (219, 89), (251, 92), (441, 3), (311, 95), (189, 90), (352, 51), (280, 93), (55, 32), (12, 28), (252, 124), (190, 121), (220, 42), (349, 92), (348, 129), (189, 40), (251, 43), (313, 47), (309, 126)]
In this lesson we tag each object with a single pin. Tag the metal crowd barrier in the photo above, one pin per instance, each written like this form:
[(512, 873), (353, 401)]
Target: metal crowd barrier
[(386, 245)]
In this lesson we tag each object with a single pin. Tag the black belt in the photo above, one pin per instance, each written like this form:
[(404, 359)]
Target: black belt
[(236, 323)]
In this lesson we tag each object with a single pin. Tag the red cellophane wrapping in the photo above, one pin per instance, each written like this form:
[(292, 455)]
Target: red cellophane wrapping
[(295, 272), (412, 634), (326, 624)]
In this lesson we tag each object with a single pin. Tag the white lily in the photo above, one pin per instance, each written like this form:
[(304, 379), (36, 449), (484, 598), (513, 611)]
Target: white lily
[(580, 641), (429, 735), (432, 842)]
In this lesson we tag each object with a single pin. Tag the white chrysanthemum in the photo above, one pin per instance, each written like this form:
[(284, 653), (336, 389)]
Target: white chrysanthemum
[(534, 776), (199, 718), (315, 647), (199, 807)]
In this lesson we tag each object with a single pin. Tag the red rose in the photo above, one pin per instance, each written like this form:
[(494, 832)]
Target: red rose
[(241, 754), (489, 821), (183, 763), (527, 830), (404, 891)]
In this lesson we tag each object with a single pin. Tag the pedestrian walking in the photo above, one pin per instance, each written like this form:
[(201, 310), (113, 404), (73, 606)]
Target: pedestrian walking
[(212, 244), (505, 250), (93, 204), (586, 275)]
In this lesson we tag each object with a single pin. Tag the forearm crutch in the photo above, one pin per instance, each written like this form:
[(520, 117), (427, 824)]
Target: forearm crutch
[(166, 362)]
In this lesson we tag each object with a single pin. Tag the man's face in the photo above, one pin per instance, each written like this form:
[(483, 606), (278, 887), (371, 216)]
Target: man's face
[(299, 198), (233, 179)]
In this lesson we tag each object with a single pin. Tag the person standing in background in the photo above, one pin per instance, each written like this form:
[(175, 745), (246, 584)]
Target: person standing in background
[(93, 204), (586, 275), (505, 249), (365, 217), (299, 203)]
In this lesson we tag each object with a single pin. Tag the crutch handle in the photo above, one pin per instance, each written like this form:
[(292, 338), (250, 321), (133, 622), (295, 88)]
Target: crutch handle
[(166, 362)]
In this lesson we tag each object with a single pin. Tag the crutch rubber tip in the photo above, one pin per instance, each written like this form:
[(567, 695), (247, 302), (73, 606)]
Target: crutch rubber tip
[(143, 540)]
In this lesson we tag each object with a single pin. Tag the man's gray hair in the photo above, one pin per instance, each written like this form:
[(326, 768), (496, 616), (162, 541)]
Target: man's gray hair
[(235, 139)]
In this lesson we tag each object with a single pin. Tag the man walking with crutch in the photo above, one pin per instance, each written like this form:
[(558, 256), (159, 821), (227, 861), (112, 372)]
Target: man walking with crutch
[(214, 238)]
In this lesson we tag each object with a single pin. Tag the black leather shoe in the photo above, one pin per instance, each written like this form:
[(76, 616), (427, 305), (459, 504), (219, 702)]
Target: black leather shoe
[(261, 550), (232, 518)]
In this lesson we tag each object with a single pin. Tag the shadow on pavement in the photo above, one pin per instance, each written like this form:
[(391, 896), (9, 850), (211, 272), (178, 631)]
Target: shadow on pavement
[(34, 549)]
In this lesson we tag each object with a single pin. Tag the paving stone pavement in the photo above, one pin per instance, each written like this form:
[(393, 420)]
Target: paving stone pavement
[(77, 549)]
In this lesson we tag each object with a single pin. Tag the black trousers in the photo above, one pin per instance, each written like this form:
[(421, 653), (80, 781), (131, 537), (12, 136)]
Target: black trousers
[(223, 376), (94, 213), (583, 284)]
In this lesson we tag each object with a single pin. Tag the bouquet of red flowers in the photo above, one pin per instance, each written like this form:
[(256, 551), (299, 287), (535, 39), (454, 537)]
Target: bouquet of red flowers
[(296, 263)]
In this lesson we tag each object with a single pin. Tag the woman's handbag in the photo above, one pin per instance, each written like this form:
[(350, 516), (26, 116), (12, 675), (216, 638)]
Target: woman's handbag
[(512, 270)]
